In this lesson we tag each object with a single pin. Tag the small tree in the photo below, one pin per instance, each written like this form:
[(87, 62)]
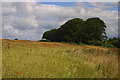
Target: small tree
[(16, 38)]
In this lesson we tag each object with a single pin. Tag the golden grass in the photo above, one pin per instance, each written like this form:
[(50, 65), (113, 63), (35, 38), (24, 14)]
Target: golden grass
[(32, 59), (0, 59)]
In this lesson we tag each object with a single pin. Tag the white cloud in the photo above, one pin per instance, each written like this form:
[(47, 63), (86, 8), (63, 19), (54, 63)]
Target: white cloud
[(101, 5), (104, 5), (8, 11), (29, 20)]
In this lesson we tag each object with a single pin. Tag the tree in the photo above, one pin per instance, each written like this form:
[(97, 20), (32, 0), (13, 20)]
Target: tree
[(16, 38), (50, 35), (115, 41), (79, 31), (95, 29), (69, 31)]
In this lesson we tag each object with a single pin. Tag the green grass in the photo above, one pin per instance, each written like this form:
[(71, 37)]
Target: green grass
[(31, 59)]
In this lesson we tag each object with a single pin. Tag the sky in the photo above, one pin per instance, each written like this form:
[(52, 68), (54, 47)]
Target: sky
[(29, 20)]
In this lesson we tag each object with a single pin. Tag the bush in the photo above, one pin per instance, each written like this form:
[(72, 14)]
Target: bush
[(16, 38), (80, 43), (98, 43), (108, 45), (72, 43)]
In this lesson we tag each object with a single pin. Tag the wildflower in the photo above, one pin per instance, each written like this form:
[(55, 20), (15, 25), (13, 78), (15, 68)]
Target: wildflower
[(18, 72)]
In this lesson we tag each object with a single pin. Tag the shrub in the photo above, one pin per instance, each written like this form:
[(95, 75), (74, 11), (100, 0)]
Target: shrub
[(16, 38), (98, 43), (108, 45), (72, 43)]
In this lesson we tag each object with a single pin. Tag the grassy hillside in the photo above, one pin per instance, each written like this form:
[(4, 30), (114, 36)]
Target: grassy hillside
[(32, 59)]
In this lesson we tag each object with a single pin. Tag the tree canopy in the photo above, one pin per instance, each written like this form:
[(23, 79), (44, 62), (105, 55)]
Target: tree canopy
[(115, 41), (78, 31)]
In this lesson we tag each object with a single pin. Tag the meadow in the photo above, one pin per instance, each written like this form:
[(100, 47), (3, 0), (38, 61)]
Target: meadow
[(34, 59)]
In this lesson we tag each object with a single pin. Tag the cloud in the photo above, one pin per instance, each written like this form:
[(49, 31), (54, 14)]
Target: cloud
[(28, 20), (103, 5)]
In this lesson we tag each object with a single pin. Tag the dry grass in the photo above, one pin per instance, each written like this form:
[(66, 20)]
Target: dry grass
[(32, 59), (0, 59)]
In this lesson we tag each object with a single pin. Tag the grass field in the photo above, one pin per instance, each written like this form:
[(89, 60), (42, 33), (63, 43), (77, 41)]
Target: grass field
[(32, 59)]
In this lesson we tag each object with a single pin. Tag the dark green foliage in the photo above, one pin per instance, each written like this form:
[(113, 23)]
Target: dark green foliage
[(108, 45), (115, 41), (91, 31), (16, 38), (50, 35), (98, 43), (71, 30), (95, 29)]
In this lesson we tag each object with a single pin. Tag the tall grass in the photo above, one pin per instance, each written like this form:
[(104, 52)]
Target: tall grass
[(31, 59), (0, 59)]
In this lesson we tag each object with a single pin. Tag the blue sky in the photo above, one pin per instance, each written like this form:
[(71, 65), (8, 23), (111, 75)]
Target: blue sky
[(64, 4), (73, 4)]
